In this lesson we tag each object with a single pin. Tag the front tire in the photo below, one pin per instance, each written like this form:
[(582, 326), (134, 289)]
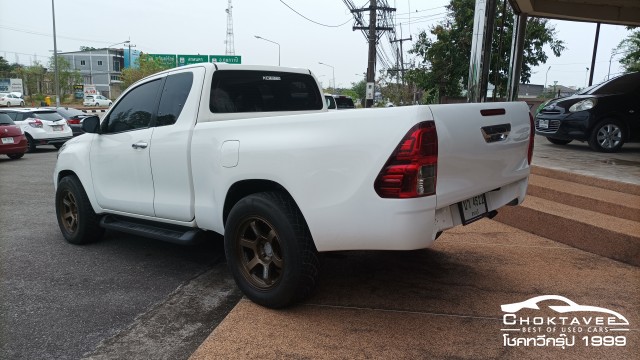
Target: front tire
[(607, 136), (558, 141), (270, 251), (22, 103), (77, 220)]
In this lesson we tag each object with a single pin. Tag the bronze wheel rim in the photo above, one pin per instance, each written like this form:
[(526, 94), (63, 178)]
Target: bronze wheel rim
[(69, 212), (259, 253)]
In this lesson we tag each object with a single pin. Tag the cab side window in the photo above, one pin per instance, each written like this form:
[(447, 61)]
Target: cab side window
[(135, 110), (174, 95)]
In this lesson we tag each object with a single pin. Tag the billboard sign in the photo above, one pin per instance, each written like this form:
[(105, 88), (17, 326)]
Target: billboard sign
[(168, 60), (229, 59), (192, 59)]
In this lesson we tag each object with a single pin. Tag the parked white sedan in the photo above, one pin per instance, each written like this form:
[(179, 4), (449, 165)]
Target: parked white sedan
[(10, 99), (96, 100)]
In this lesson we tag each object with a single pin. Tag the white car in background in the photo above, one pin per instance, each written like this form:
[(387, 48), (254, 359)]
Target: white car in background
[(41, 126), (11, 99), (96, 100)]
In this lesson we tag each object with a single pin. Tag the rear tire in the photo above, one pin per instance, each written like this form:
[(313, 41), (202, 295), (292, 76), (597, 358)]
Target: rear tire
[(22, 104), (607, 136), (558, 141), (31, 144), (77, 220), (15, 156), (270, 251)]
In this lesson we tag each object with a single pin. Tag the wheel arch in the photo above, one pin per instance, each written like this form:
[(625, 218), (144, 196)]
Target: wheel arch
[(244, 188)]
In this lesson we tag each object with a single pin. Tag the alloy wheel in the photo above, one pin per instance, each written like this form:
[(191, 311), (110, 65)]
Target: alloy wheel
[(69, 212), (259, 253), (609, 136)]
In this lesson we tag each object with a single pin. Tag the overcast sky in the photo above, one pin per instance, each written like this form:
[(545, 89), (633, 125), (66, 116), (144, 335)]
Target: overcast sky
[(199, 27)]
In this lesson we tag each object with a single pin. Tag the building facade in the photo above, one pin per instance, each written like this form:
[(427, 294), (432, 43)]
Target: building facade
[(101, 67)]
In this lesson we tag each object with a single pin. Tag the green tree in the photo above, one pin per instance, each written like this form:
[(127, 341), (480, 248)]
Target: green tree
[(5, 68), (87, 48), (33, 77), (359, 88), (630, 47), (67, 77), (147, 66), (444, 52)]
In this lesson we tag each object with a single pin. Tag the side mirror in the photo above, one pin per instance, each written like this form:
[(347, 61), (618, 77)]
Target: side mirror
[(91, 125)]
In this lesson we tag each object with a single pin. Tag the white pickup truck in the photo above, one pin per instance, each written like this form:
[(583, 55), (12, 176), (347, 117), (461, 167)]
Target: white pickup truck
[(251, 152)]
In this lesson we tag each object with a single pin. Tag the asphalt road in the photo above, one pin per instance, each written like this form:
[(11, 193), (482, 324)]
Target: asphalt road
[(105, 300)]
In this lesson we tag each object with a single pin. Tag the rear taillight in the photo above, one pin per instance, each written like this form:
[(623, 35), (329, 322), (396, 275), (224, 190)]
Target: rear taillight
[(75, 121), (36, 123), (411, 171), (531, 139)]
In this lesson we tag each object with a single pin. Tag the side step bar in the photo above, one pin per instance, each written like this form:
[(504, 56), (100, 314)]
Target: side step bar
[(173, 234)]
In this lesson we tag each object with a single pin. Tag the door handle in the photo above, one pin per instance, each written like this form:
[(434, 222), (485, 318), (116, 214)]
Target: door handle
[(139, 145), (496, 132)]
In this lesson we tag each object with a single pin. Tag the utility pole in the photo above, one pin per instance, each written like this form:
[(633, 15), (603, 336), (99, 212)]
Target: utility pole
[(372, 38), (55, 55), (130, 60), (230, 49)]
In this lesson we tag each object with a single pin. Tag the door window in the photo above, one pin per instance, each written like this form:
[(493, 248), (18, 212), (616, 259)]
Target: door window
[(174, 95), (135, 110)]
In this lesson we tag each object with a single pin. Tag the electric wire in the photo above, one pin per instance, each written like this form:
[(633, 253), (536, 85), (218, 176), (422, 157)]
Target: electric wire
[(315, 22)]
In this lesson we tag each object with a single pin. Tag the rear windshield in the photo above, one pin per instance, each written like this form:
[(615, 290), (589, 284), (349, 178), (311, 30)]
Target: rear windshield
[(69, 112), (344, 103), (237, 91), (47, 115), (5, 120)]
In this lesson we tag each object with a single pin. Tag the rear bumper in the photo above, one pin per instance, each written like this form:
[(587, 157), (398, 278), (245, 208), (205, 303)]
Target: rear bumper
[(18, 147), (53, 141), (399, 224)]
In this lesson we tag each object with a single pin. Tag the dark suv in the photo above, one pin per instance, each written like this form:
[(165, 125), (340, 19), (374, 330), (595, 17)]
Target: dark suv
[(605, 115)]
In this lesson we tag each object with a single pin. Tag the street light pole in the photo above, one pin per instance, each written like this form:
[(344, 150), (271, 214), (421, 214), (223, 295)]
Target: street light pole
[(545, 78), (333, 71), (271, 41), (109, 61), (55, 55)]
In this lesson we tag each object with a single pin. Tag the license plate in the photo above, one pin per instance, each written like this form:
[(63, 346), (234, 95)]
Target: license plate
[(7, 140), (543, 124), (57, 127), (473, 209)]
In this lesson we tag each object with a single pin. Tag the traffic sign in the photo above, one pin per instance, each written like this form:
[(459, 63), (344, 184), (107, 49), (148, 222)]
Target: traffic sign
[(168, 60), (230, 59), (191, 59)]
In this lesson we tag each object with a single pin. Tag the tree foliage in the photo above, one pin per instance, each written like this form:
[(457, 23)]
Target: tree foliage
[(147, 66), (444, 52), (630, 47), (67, 77)]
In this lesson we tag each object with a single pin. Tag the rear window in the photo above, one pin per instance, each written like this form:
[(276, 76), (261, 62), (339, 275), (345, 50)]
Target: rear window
[(47, 115), (69, 112), (344, 102), (5, 120), (238, 91)]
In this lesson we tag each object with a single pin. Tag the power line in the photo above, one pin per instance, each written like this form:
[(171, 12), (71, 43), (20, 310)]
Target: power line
[(49, 35), (315, 22), (419, 11)]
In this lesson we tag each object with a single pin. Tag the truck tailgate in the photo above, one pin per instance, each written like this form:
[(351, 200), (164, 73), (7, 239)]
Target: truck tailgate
[(469, 164)]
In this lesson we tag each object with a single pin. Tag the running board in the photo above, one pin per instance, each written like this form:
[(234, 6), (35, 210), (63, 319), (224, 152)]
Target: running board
[(165, 232)]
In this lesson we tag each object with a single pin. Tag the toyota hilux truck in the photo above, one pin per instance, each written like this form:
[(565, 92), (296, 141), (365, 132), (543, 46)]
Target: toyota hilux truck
[(251, 152)]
